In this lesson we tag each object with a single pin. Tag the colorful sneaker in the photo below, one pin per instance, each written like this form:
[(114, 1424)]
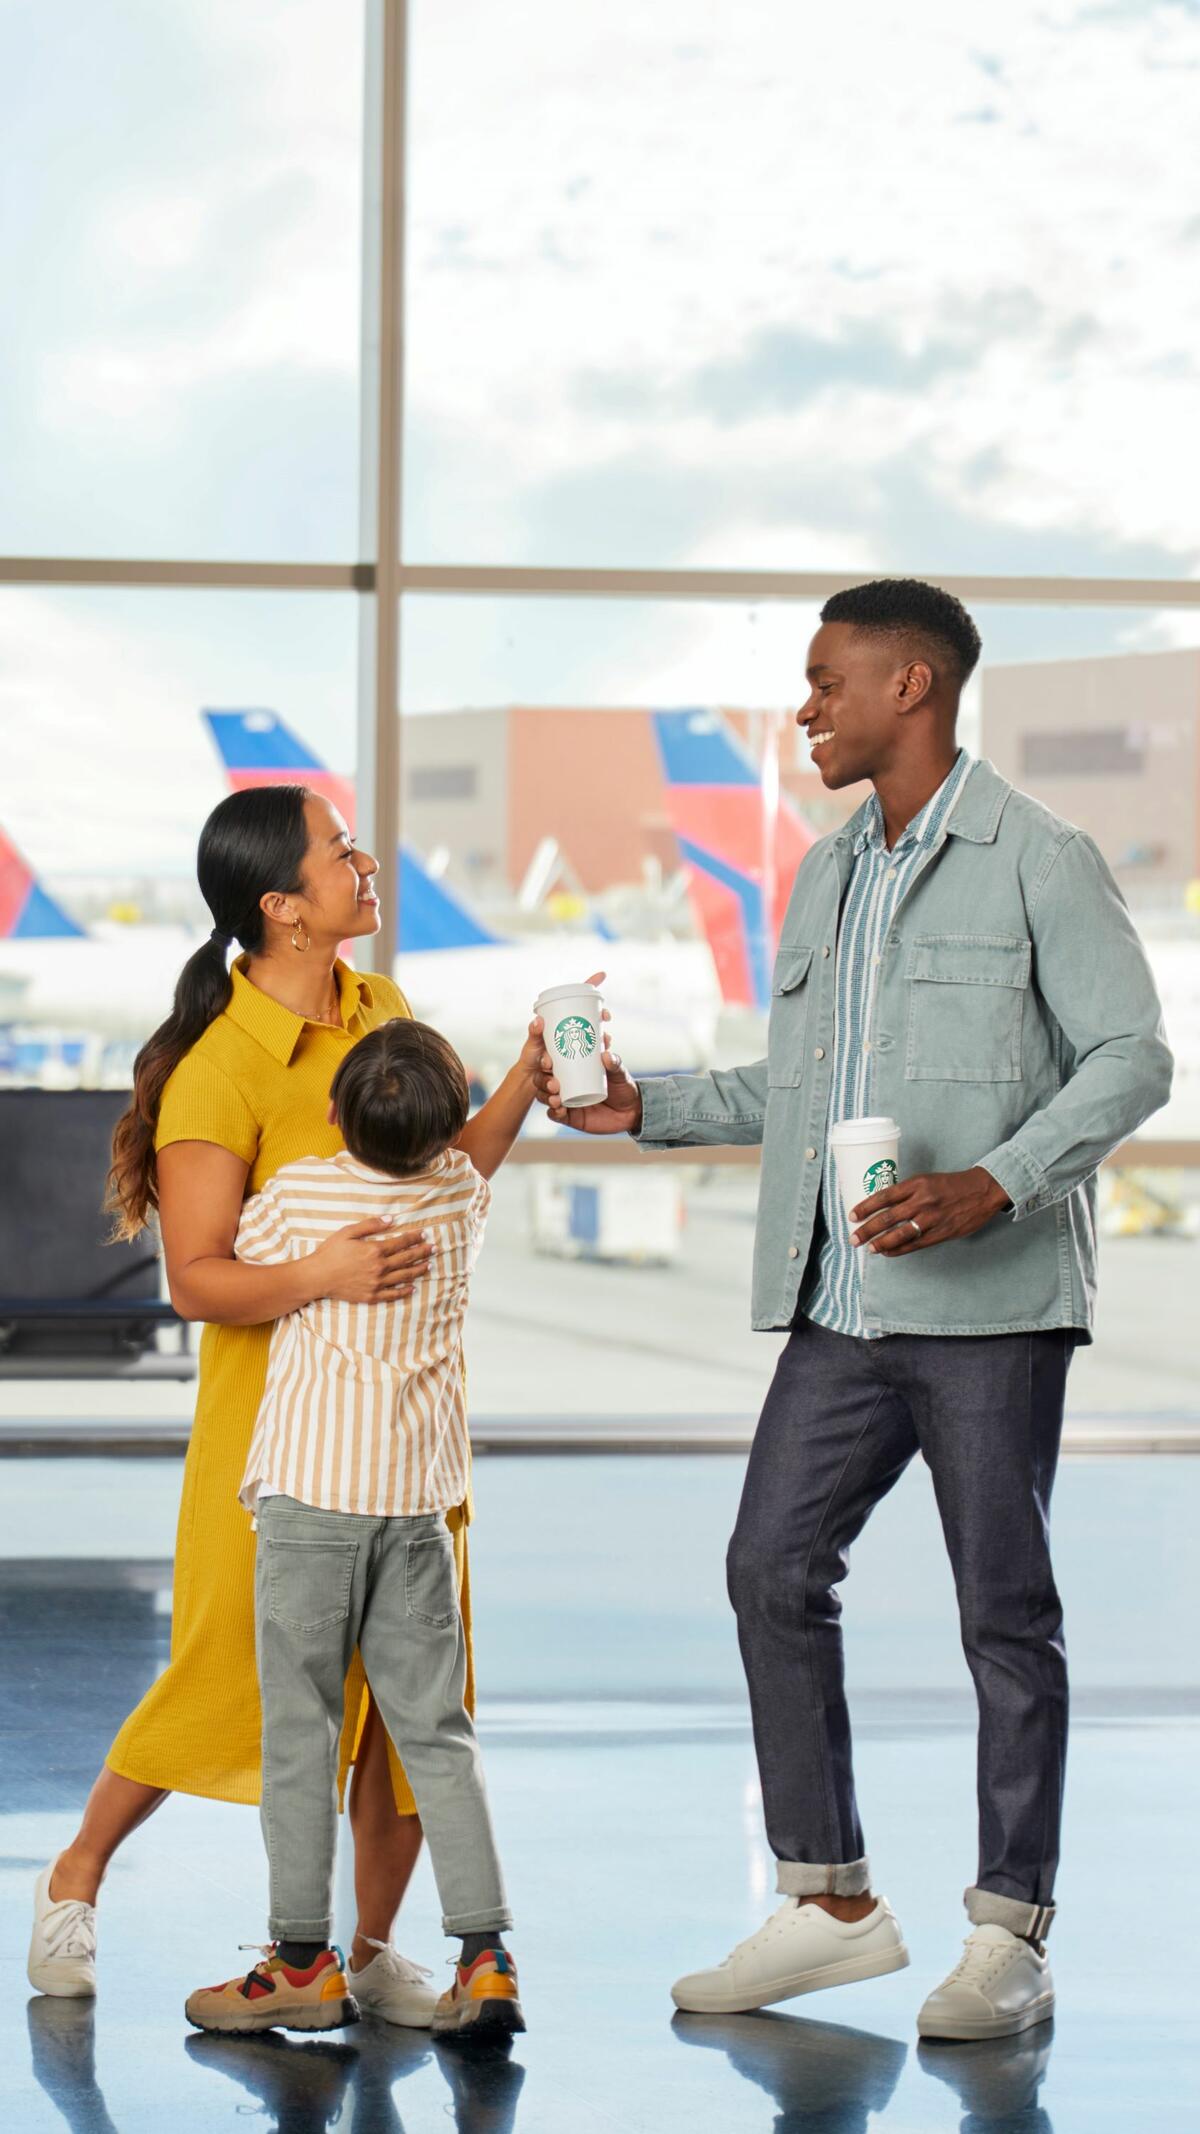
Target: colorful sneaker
[(482, 1997), (395, 1989), (275, 1997), (62, 1947)]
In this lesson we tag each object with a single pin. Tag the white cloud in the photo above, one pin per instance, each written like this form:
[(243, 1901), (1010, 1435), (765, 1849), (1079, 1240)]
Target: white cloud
[(641, 190), (107, 765), (986, 215)]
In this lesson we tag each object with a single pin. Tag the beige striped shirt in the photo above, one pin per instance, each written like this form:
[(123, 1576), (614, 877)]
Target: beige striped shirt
[(363, 1408)]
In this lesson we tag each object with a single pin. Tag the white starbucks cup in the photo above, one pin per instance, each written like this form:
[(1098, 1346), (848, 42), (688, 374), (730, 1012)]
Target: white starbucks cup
[(574, 1035), (867, 1154)]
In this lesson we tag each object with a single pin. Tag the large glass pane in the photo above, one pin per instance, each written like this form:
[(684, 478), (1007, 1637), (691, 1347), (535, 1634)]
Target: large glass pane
[(110, 770), (750, 286), (180, 260), (547, 754)]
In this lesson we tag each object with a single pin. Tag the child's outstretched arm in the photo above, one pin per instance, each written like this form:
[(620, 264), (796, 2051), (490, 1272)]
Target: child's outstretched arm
[(488, 1137)]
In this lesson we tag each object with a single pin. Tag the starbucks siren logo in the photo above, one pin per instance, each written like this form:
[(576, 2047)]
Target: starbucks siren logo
[(880, 1176), (575, 1037)]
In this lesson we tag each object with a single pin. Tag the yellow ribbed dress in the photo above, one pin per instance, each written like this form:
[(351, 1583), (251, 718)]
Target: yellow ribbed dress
[(257, 1083)]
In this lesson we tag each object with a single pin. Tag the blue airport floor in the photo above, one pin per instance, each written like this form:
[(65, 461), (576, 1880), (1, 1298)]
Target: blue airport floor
[(622, 1778)]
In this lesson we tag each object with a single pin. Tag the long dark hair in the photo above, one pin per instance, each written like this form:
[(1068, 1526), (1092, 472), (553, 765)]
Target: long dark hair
[(253, 843)]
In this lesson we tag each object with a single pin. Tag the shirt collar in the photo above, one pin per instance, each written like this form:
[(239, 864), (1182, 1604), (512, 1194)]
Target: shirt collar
[(925, 826), (451, 1159), (276, 1028)]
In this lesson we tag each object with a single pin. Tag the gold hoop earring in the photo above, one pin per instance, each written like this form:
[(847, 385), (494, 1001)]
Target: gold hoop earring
[(301, 947)]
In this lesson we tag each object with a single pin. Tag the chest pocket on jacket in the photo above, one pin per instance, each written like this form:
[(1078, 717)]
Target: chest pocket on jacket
[(789, 1018), (966, 1004)]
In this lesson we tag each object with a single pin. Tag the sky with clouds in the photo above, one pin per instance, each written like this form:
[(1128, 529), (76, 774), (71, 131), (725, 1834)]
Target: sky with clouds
[(878, 286)]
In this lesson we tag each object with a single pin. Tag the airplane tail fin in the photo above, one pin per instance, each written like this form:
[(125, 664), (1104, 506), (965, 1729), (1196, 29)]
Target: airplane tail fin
[(715, 799), (260, 748), (27, 911)]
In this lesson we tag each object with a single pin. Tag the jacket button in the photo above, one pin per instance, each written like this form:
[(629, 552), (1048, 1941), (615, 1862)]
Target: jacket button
[(793, 1252), (810, 1155), (824, 951), (819, 1054)]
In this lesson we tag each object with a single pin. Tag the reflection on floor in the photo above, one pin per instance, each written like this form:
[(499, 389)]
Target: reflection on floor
[(622, 1778)]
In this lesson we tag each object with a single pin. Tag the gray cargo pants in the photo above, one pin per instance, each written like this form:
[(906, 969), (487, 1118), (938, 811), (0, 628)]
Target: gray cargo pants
[(324, 1583)]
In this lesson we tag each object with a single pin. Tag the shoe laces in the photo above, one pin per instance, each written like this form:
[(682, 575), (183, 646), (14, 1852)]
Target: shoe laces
[(981, 1958), (767, 1932), (399, 1967), (70, 1929)]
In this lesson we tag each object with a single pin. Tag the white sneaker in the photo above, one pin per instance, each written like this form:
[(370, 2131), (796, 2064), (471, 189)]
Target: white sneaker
[(390, 1987), (801, 1948), (999, 1985), (62, 1947)]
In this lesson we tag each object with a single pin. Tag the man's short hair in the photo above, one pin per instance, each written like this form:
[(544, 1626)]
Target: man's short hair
[(401, 1097), (915, 614)]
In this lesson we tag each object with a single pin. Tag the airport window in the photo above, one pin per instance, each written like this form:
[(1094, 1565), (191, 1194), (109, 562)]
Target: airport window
[(649, 426), (443, 781), (1098, 752), (720, 389), (181, 370)]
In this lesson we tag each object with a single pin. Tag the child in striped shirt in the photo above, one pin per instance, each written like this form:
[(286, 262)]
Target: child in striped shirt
[(359, 1450)]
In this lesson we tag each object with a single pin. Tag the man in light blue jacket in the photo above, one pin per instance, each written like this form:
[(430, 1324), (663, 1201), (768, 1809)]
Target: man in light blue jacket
[(962, 960)]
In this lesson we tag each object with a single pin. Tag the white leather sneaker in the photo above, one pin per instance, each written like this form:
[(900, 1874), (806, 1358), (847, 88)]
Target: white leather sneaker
[(62, 1947), (801, 1948), (999, 1985), (391, 1987)]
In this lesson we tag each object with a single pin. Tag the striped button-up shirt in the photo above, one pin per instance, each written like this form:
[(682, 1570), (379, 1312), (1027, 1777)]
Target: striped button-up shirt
[(877, 882), (363, 1408)]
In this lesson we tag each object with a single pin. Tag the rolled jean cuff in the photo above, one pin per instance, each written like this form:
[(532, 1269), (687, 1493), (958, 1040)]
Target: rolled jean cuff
[(300, 1930), (497, 1921), (801, 1878), (987, 1908)]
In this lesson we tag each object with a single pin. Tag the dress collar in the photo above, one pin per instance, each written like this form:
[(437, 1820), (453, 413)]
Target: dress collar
[(276, 1028)]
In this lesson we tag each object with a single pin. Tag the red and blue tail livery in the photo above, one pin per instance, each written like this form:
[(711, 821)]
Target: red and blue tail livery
[(716, 805), (27, 911), (259, 748)]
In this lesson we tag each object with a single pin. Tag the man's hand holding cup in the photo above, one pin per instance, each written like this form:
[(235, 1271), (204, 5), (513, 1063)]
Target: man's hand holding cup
[(618, 1111)]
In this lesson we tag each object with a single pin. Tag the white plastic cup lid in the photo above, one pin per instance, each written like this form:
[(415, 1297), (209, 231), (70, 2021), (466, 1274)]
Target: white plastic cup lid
[(877, 1129), (567, 992)]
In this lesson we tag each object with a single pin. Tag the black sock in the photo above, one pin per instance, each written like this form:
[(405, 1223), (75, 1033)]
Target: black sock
[(473, 1945), (299, 1955)]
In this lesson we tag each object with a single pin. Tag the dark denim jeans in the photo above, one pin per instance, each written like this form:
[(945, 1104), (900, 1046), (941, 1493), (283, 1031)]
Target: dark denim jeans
[(841, 1422)]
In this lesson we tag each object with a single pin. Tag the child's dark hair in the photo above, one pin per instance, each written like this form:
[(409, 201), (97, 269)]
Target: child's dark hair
[(401, 1097)]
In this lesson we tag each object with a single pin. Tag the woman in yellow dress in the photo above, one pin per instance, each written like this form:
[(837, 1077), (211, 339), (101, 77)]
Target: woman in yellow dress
[(233, 1085)]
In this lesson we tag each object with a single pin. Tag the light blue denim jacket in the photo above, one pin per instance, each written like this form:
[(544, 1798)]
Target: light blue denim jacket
[(1016, 1025)]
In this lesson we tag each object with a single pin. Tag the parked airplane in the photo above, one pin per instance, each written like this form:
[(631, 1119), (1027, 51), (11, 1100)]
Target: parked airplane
[(676, 1004), (109, 982), (740, 854), (727, 841), (460, 974)]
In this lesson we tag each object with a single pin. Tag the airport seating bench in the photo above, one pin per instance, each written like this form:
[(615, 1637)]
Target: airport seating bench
[(136, 1358)]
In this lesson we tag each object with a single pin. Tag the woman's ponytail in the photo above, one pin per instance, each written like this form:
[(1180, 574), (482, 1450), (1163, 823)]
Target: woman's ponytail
[(253, 843), (202, 990)]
